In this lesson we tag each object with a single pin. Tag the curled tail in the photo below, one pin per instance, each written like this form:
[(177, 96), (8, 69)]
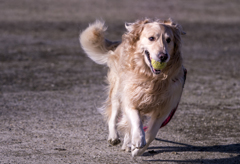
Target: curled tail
[(94, 44)]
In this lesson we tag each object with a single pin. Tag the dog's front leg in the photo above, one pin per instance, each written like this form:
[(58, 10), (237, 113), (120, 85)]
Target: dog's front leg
[(137, 132), (113, 137), (153, 127)]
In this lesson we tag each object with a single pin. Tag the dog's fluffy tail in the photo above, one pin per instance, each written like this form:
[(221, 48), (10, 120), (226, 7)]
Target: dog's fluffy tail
[(94, 44)]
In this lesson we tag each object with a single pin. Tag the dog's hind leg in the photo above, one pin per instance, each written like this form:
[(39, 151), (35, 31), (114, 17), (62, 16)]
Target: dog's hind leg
[(125, 128), (113, 137), (127, 142)]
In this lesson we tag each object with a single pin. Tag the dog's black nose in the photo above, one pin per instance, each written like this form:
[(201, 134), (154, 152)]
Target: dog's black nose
[(163, 57)]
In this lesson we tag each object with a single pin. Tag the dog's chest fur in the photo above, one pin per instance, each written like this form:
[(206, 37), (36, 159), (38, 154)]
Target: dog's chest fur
[(147, 95)]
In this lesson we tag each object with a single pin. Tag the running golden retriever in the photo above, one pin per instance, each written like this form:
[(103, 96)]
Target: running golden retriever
[(137, 87)]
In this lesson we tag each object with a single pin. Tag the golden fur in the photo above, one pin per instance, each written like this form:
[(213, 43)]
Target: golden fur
[(133, 86)]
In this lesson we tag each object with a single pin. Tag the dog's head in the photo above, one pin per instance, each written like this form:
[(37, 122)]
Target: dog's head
[(158, 40)]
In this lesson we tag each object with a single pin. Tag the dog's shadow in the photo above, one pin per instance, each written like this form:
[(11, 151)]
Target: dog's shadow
[(232, 148)]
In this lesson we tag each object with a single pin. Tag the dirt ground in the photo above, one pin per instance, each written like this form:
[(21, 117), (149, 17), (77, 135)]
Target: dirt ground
[(49, 89)]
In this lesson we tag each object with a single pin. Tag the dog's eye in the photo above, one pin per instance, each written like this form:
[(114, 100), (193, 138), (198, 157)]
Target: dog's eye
[(151, 38), (168, 40)]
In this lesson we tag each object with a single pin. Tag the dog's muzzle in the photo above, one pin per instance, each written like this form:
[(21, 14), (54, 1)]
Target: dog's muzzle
[(162, 57)]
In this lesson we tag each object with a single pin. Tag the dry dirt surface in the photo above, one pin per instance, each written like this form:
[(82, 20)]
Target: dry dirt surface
[(49, 89)]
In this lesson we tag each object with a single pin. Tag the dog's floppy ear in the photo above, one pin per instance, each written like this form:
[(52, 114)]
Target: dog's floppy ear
[(179, 28), (134, 31), (129, 26), (170, 22), (136, 26)]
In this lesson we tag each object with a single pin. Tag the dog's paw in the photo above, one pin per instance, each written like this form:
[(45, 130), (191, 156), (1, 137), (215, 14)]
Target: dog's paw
[(127, 148), (138, 140), (114, 141), (137, 151), (113, 138), (138, 143)]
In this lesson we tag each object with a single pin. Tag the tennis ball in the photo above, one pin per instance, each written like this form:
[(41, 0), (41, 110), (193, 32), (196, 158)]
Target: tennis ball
[(158, 65)]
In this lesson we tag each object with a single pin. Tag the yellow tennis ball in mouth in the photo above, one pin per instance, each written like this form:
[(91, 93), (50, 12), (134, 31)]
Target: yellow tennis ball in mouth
[(158, 65)]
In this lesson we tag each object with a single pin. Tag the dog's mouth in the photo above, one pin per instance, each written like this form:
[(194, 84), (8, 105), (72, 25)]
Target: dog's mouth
[(155, 71)]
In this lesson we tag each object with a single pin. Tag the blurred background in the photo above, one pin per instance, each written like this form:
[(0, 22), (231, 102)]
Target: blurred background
[(49, 89)]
